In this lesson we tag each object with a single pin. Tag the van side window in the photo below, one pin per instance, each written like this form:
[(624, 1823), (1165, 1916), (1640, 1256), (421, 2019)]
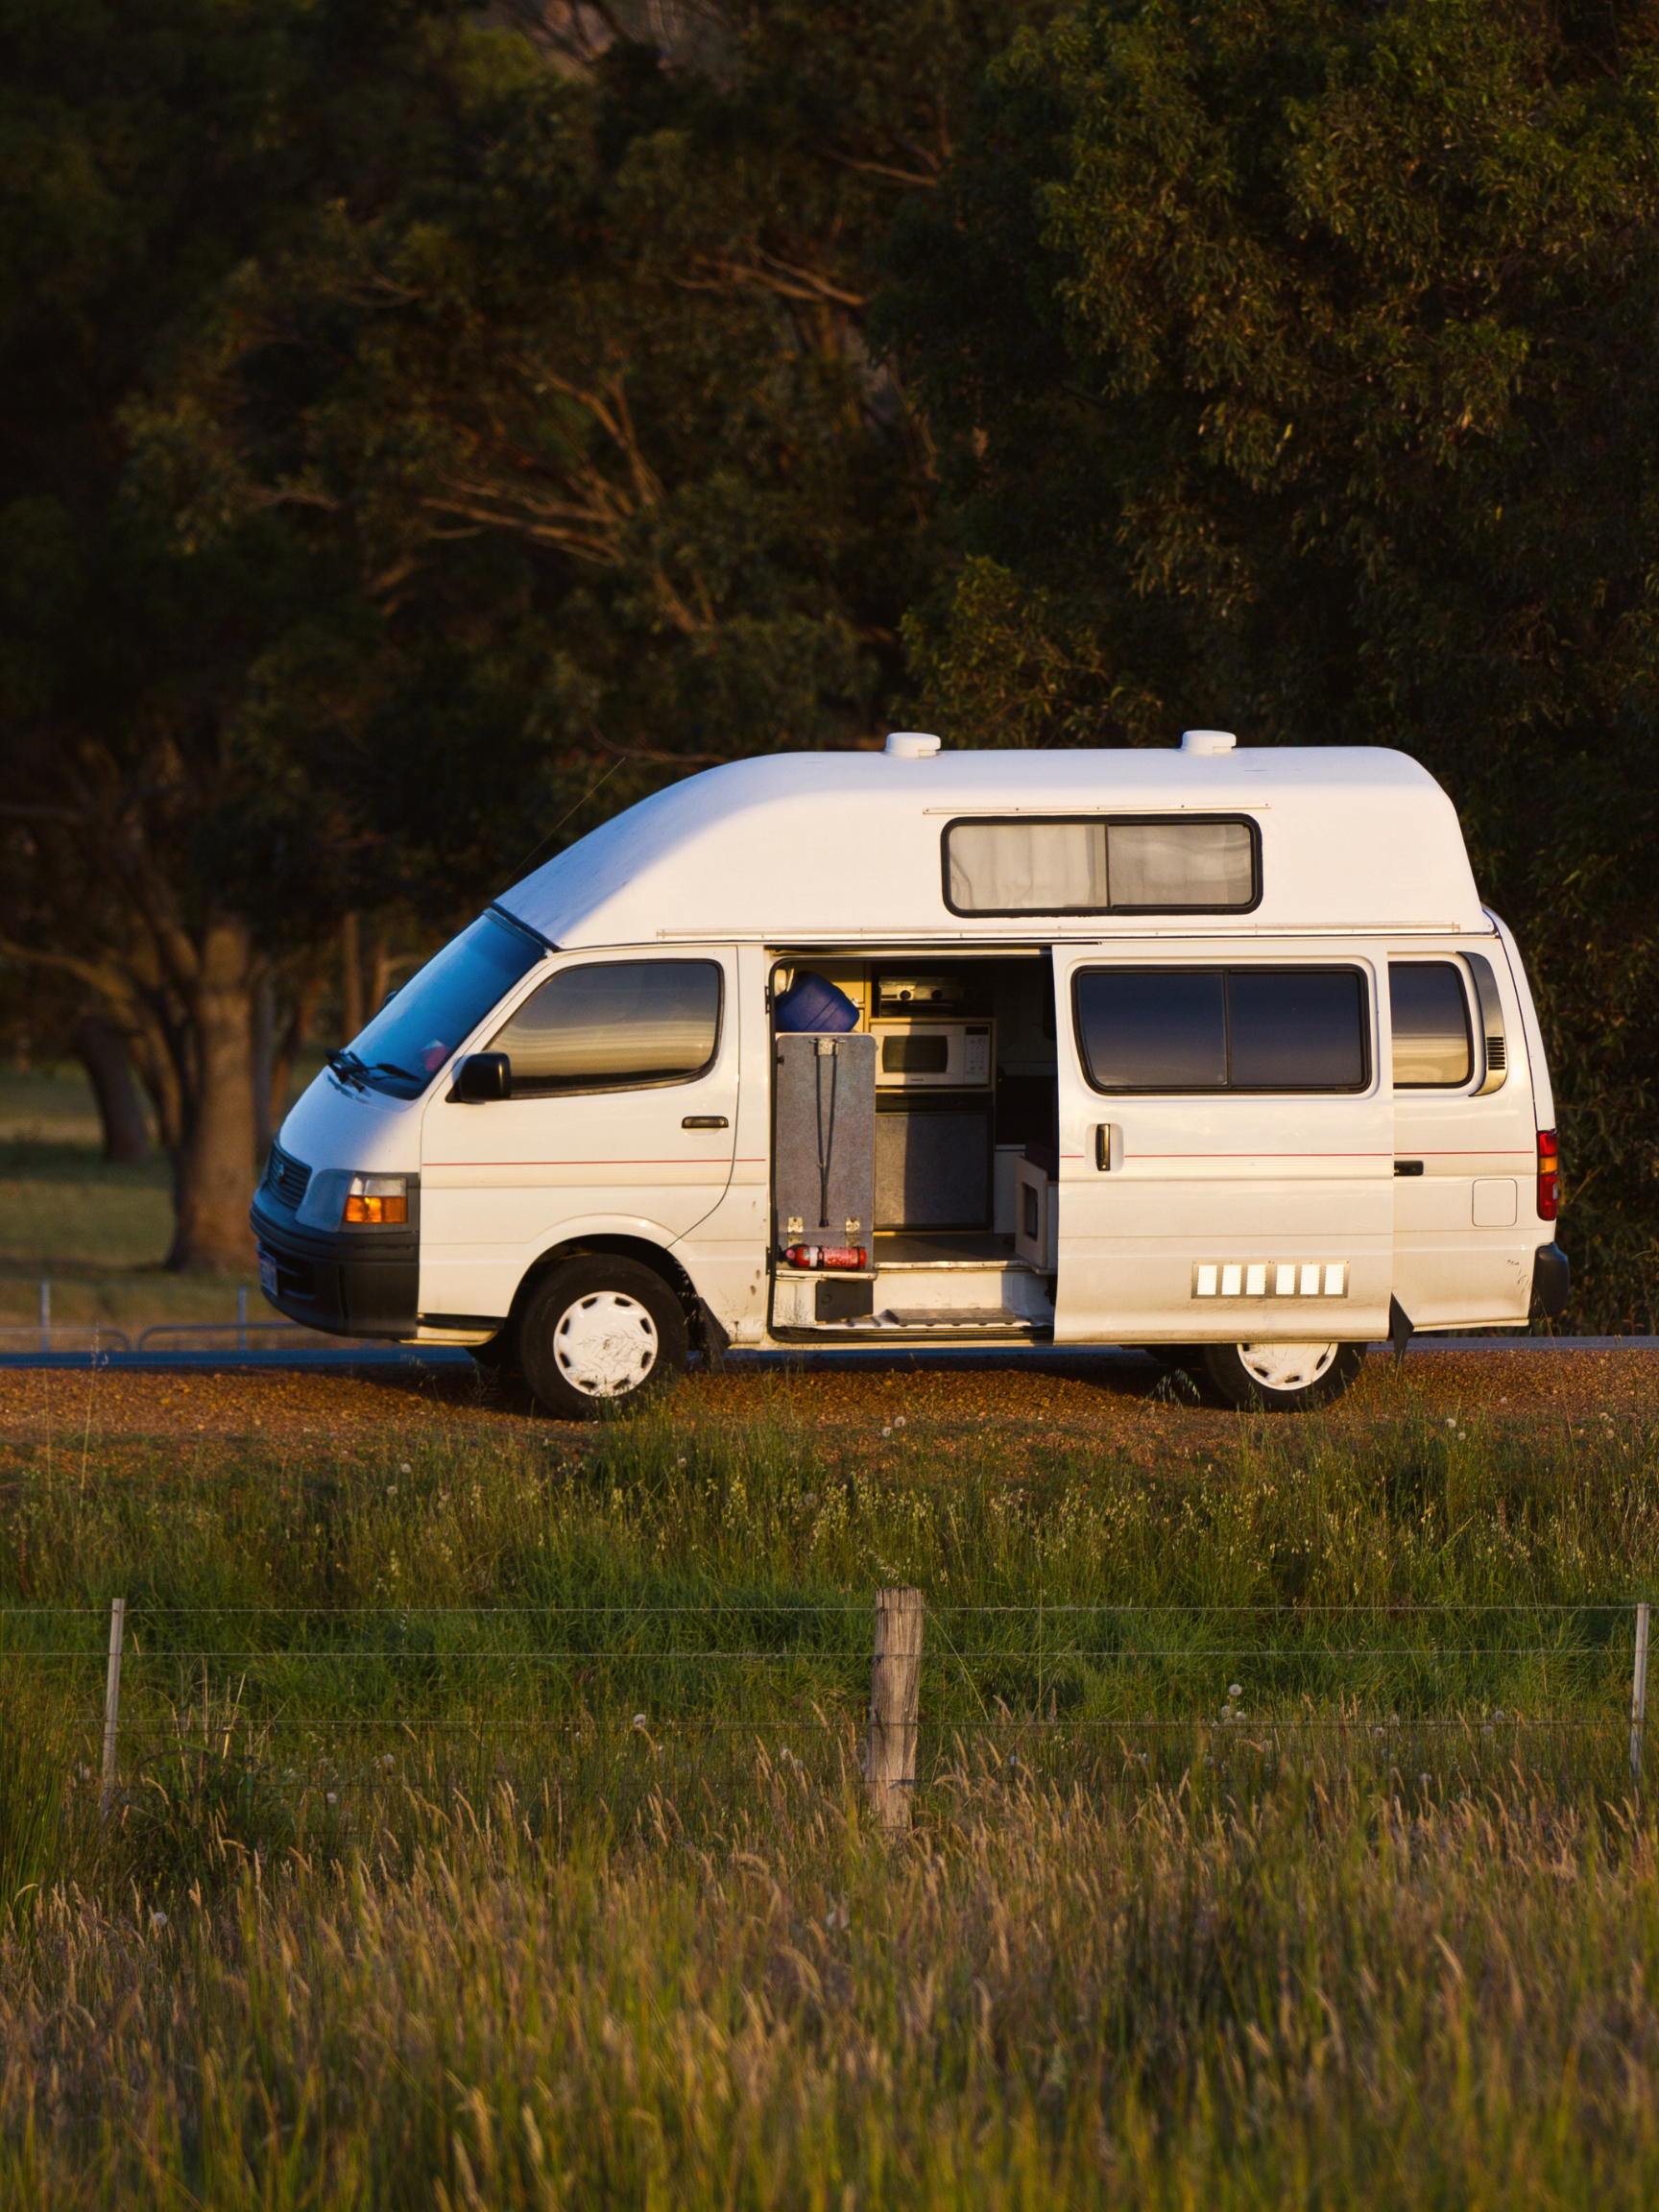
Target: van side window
[(1433, 1048), (614, 1026), (1224, 1029), (1092, 864)]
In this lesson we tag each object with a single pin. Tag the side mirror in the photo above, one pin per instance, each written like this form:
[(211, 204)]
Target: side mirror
[(482, 1077)]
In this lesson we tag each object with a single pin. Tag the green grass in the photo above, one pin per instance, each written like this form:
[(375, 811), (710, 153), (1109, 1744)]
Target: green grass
[(97, 1231), (489, 1826), (1416, 1579)]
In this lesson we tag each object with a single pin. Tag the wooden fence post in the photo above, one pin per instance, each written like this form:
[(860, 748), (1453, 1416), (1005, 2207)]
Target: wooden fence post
[(111, 1700), (1638, 1691), (894, 1697)]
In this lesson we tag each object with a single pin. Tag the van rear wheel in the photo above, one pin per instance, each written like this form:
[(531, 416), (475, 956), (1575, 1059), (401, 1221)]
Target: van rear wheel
[(1280, 1378), (599, 1331)]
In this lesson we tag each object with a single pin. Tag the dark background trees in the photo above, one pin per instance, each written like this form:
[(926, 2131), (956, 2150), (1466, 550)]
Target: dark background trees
[(423, 431), (1290, 370), (419, 434)]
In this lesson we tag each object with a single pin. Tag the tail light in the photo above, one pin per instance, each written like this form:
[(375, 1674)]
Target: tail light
[(1549, 1176)]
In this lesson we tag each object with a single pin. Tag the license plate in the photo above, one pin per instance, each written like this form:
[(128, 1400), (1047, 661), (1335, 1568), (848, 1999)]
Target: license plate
[(268, 1275)]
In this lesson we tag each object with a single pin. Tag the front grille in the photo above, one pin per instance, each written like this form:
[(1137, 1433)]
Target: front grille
[(289, 1178)]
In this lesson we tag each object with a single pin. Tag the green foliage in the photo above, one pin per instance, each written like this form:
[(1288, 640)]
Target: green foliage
[(1290, 370), (571, 401), (421, 434), (31, 1799)]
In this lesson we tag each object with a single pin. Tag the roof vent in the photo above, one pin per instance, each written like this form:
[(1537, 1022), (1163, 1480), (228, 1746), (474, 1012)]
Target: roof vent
[(911, 745), (1207, 741)]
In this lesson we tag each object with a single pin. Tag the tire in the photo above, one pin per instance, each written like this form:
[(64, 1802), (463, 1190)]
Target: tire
[(1187, 1359), (599, 1331), (501, 1356), (1281, 1378)]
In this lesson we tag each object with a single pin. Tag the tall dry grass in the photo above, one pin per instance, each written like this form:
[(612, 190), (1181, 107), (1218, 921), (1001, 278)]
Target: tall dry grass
[(1321, 1997)]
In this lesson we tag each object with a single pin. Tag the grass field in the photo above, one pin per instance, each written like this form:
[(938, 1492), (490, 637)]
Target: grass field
[(99, 1233), (488, 1827)]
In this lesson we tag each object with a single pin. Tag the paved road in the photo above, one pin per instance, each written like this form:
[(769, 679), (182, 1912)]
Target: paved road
[(443, 1359)]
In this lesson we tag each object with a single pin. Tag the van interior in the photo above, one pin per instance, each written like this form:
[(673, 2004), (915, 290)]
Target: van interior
[(961, 1143)]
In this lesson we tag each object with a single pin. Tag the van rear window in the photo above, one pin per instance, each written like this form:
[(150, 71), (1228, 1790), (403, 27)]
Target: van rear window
[(1433, 1048), (1103, 864), (1224, 1029), (614, 1024)]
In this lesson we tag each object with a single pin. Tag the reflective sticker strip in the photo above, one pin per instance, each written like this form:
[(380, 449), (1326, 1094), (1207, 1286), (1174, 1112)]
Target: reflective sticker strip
[(1270, 1279)]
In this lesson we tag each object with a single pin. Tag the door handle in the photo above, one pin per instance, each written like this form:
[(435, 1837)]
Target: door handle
[(1107, 1146), (705, 1121)]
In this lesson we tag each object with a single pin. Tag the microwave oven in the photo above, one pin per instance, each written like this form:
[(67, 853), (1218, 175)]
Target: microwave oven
[(934, 1055)]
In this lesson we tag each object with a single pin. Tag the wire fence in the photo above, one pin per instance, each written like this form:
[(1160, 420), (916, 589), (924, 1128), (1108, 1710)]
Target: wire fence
[(244, 1333), (325, 1682)]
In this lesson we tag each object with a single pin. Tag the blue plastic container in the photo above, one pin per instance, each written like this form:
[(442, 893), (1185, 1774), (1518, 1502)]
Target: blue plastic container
[(815, 1003)]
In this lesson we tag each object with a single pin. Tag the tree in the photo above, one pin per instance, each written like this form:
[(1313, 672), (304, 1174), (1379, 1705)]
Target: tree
[(1290, 369), (438, 434), (594, 388), (175, 851)]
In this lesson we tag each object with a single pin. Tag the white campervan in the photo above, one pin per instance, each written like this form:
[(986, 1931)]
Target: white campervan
[(1214, 1051)]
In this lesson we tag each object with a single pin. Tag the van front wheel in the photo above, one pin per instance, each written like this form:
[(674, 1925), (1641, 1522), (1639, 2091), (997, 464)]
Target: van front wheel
[(599, 1331), (1281, 1377)]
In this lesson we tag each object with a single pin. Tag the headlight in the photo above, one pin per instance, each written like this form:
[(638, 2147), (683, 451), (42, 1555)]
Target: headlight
[(380, 1201)]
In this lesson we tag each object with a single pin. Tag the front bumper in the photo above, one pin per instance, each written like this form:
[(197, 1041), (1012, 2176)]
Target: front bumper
[(350, 1282)]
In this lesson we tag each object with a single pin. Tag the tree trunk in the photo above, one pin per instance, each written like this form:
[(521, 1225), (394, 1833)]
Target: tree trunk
[(214, 1167), (264, 1048), (295, 1035), (376, 968), (102, 1050), (350, 977)]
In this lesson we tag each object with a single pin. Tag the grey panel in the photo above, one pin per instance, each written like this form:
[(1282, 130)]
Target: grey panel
[(823, 1142), (933, 1170), (838, 1300)]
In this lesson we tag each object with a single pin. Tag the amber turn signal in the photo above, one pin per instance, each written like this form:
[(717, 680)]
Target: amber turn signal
[(376, 1202), (385, 1210)]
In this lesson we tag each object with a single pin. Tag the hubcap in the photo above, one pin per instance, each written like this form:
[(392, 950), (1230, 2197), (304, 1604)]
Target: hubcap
[(1288, 1366), (605, 1344)]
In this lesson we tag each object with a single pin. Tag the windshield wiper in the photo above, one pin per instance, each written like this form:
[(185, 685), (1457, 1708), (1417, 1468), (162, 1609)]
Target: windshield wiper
[(351, 1069), (348, 1067)]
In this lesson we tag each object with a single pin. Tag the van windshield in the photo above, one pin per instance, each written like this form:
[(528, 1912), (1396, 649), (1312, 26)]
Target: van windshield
[(417, 1031)]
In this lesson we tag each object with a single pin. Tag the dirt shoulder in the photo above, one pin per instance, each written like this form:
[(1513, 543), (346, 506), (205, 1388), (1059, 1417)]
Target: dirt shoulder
[(1069, 1396)]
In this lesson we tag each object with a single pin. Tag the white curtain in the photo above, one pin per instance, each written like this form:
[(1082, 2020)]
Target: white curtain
[(1027, 867), (1056, 867), (1181, 864)]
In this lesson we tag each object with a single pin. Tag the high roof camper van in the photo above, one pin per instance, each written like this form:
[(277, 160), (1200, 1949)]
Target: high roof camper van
[(1213, 1050)]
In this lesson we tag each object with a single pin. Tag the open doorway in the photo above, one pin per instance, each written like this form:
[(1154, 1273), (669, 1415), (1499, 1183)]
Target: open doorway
[(961, 1119)]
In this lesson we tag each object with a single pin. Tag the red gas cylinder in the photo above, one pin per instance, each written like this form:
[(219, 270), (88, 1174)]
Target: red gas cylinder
[(824, 1255)]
